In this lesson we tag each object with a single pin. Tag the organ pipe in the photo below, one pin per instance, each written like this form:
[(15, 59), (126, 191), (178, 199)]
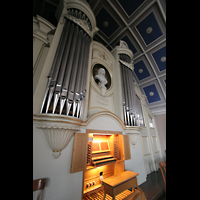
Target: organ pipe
[(67, 77), (123, 93), (128, 91), (83, 82)]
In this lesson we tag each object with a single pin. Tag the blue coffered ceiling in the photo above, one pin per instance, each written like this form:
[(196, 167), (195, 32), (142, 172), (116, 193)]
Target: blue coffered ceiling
[(142, 25), (130, 6), (106, 23), (152, 93), (149, 29), (141, 70), (160, 58)]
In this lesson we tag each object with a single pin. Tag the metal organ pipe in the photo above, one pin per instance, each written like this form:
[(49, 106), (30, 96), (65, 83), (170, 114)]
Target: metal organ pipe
[(129, 95), (125, 104), (55, 66), (77, 95), (128, 91), (65, 91), (60, 68), (123, 93), (133, 97), (75, 62), (74, 73), (60, 86), (70, 60), (129, 80), (62, 43), (68, 73), (83, 80)]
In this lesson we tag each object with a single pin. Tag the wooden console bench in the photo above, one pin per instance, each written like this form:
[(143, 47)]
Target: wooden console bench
[(116, 184)]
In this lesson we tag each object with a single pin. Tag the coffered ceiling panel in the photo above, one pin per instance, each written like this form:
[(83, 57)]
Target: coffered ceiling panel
[(149, 28), (155, 98), (104, 19), (142, 25), (160, 58), (157, 59), (130, 6), (151, 93), (142, 70)]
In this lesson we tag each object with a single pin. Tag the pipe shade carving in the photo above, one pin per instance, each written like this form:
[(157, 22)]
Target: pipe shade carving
[(58, 137)]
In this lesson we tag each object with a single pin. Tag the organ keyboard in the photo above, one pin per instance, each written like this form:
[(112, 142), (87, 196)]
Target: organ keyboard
[(96, 161)]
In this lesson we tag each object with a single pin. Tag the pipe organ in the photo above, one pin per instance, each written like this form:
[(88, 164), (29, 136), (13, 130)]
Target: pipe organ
[(87, 81), (66, 80)]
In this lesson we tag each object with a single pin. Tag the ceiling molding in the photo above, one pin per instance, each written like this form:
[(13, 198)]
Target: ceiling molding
[(159, 111)]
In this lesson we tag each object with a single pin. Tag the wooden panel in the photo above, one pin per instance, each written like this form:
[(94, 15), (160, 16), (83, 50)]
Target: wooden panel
[(95, 147), (119, 167), (125, 185), (93, 175), (104, 146), (127, 152), (79, 154)]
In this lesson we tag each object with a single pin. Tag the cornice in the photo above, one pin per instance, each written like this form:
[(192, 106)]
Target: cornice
[(44, 27), (45, 22), (126, 51), (132, 129), (45, 41), (74, 122), (56, 118)]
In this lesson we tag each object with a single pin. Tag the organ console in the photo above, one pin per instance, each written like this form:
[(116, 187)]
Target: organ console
[(102, 154)]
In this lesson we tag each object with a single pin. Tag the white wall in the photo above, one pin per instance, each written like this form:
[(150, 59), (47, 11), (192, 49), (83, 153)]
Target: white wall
[(61, 184), (160, 121), (136, 163)]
